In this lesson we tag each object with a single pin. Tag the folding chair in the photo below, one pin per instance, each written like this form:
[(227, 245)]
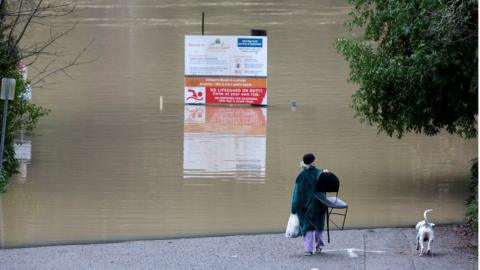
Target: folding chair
[(328, 182)]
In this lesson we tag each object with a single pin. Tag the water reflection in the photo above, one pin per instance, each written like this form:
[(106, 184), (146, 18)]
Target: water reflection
[(227, 143), (23, 153)]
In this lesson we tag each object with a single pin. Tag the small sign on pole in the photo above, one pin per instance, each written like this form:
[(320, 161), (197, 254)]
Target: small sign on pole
[(7, 92), (8, 89)]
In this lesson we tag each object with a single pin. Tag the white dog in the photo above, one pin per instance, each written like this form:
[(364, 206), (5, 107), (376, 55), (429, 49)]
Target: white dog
[(424, 233)]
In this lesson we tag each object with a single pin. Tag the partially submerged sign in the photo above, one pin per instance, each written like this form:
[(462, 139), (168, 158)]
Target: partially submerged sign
[(226, 70)]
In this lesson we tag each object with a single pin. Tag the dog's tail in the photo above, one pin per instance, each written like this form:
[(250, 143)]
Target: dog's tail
[(425, 216)]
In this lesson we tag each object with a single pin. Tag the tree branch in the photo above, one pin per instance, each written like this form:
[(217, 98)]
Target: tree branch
[(28, 22), (16, 20), (66, 7), (44, 73), (51, 41)]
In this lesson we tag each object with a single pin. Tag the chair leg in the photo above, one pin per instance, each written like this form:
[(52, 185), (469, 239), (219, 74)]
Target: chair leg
[(344, 217), (328, 226)]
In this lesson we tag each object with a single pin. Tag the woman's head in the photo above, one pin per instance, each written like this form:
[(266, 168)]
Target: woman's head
[(308, 159)]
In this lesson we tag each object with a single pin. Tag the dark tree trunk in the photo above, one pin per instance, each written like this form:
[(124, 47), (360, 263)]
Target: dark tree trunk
[(3, 4)]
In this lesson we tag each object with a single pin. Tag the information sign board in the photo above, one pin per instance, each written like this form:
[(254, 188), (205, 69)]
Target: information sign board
[(226, 70)]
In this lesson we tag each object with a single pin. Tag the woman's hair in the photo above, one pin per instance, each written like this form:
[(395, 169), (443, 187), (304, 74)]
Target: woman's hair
[(308, 158)]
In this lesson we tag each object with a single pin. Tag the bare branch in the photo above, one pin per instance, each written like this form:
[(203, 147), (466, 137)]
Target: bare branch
[(66, 74), (28, 22), (35, 52), (66, 8), (52, 40), (45, 68), (43, 85), (16, 20), (44, 73), (34, 59)]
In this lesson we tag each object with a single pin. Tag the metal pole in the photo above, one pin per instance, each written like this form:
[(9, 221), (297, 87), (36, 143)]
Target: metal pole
[(4, 127), (203, 23), (2, 225)]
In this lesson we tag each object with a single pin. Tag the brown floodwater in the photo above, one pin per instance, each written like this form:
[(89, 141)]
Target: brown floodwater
[(112, 163)]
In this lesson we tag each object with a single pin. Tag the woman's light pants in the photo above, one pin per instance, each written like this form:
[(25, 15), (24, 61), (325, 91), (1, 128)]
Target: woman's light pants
[(312, 238)]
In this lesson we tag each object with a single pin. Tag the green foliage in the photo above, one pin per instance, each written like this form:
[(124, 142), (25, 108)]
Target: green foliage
[(22, 115), (9, 54), (415, 63), (472, 201), (472, 213)]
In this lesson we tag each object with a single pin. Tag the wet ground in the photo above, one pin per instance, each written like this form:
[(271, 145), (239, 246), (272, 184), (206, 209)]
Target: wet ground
[(455, 247)]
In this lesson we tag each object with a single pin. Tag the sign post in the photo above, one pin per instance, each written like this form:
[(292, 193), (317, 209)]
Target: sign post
[(7, 93)]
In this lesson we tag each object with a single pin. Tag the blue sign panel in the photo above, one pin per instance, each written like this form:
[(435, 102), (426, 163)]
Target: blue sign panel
[(250, 42)]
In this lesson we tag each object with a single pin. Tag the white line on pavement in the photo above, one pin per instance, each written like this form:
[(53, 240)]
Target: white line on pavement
[(352, 252)]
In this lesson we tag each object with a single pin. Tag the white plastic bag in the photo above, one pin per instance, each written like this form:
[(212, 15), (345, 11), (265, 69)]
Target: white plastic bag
[(293, 227)]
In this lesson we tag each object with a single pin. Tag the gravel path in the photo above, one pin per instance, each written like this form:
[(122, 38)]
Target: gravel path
[(391, 248)]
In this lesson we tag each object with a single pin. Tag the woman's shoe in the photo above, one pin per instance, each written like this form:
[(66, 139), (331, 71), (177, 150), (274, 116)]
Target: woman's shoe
[(308, 253), (318, 250)]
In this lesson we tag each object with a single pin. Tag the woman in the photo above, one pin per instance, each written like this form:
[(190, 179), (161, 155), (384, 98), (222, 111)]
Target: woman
[(310, 211)]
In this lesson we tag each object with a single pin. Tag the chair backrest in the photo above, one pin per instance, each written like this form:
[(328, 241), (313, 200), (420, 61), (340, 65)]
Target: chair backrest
[(327, 182)]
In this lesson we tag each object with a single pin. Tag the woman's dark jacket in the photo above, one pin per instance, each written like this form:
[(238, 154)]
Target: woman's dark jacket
[(310, 211)]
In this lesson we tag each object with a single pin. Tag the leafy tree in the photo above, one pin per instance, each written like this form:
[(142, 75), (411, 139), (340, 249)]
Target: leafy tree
[(16, 18), (415, 63)]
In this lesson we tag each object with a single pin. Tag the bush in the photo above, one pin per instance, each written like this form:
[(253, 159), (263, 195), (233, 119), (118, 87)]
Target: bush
[(472, 201), (22, 115)]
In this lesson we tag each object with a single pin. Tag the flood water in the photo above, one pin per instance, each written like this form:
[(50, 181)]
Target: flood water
[(111, 163)]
